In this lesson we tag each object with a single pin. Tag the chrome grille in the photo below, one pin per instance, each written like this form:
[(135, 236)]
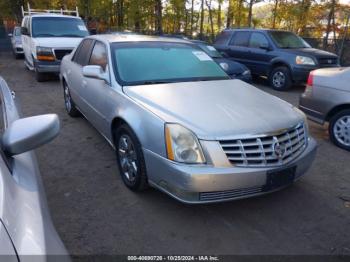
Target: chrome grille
[(266, 150), (228, 194)]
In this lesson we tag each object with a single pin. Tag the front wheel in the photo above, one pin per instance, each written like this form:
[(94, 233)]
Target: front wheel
[(280, 78), (68, 102), (339, 129), (40, 77), (130, 159)]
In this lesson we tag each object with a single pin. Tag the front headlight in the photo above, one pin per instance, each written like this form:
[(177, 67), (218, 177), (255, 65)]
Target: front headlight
[(44, 53), (182, 145), (304, 60)]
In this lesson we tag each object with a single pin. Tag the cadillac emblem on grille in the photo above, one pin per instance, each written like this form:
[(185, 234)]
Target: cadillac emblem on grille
[(329, 61), (279, 149)]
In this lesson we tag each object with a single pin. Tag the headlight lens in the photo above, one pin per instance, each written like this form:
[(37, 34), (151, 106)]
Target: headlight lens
[(44, 53), (182, 145), (304, 60)]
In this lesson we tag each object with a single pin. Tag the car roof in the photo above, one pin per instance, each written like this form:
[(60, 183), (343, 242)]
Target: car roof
[(52, 15), (254, 30), (119, 38)]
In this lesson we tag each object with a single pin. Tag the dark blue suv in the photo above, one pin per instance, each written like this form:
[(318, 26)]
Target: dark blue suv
[(282, 56)]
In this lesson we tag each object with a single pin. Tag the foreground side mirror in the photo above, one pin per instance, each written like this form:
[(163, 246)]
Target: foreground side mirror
[(95, 71), (29, 133), (24, 31), (10, 35), (265, 47)]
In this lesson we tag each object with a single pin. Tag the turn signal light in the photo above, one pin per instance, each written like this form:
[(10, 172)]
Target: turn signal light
[(46, 58), (310, 79)]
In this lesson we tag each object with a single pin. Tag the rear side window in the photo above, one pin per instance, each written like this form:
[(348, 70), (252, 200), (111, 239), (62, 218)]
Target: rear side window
[(240, 39), (99, 55), (81, 56), (223, 38), (258, 40)]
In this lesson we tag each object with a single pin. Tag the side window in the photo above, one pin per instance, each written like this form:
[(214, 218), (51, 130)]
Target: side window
[(258, 40), (99, 55), (82, 53), (240, 39), (223, 38)]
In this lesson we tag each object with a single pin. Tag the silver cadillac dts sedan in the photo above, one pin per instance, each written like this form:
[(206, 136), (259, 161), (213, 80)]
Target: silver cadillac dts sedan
[(179, 124)]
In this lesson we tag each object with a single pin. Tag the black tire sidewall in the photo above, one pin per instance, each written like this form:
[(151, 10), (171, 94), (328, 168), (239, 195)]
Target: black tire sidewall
[(287, 83), (140, 182), (332, 122)]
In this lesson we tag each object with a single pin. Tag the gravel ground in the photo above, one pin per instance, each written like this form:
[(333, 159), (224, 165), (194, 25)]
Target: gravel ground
[(95, 214)]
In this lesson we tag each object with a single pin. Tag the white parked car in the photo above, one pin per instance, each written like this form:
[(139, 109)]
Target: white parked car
[(47, 37)]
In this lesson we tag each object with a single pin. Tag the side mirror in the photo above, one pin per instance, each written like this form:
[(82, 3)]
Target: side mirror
[(29, 133), (224, 54), (95, 71), (10, 35), (225, 66), (24, 31)]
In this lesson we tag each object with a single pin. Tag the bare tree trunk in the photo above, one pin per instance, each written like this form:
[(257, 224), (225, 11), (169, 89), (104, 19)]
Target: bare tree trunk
[(192, 16), (211, 19), (274, 14), (239, 16), (329, 20), (250, 13), (120, 14), (219, 15), (202, 20), (229, 14), (158, 18)]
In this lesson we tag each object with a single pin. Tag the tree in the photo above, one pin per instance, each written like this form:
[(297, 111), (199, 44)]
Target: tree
[(159, 15), (202, 20)]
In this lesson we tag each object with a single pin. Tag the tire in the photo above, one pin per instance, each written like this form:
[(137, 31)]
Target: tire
[(339, 129), (40, 77), (69, 103), (280, 79), (131, 163)]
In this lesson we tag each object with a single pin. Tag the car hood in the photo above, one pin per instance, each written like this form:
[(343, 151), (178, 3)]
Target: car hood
[(216, 110), (311, 51), (57, 42)]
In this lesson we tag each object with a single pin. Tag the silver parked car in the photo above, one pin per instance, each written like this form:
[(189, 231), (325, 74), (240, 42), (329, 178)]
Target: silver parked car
[(327, 99), (16, 42), (25, 224), (179, 124)]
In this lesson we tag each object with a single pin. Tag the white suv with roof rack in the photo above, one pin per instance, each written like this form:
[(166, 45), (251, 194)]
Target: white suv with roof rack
[(47, 36)]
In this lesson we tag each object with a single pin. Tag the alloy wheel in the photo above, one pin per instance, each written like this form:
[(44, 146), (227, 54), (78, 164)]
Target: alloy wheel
[(341, 130), (67, 99), (127, 157), (278, 79)]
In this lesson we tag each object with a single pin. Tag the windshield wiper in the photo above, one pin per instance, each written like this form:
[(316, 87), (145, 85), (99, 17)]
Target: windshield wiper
[(155, 82), (43, 35), (70, 35)]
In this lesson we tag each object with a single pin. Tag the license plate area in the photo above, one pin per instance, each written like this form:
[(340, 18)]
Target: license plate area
[(279, 178)]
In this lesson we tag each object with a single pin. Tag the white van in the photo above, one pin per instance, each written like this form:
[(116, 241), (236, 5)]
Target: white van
[(47, 36)]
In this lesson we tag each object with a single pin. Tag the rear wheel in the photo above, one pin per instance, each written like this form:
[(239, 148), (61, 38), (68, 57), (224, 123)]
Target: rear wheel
[(280, 78), (339, 129), (69, 103), (130, 159)]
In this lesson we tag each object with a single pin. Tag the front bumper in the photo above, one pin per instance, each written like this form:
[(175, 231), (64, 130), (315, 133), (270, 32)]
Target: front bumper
[(206, 184), (246, 78), (47, 66)]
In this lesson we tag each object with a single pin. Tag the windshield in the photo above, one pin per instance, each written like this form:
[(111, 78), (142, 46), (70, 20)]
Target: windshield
[(58, 27), (288, 40), (154, 62), (210, 50)]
